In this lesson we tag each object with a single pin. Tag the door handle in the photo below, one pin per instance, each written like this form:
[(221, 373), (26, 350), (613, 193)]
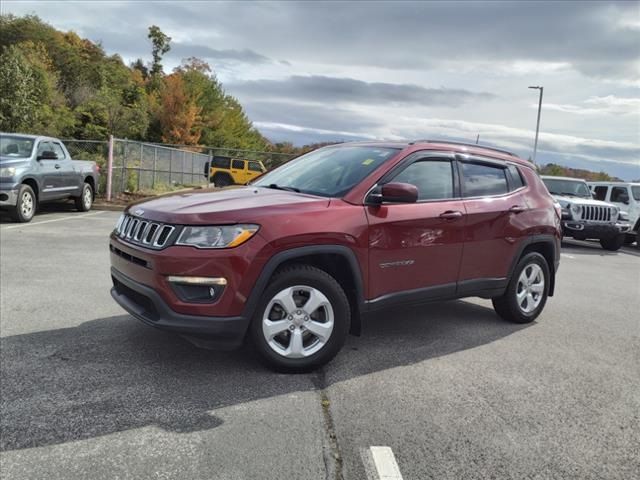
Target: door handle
[(517, 209), (56, 166), (451, 214)]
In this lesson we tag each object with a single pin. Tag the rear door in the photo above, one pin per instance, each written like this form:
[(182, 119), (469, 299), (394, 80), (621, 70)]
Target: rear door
[(415, 248), (494, 203)]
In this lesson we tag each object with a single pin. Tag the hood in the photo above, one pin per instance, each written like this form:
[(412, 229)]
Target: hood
[(228, 206), (564, 199), (6, 161)]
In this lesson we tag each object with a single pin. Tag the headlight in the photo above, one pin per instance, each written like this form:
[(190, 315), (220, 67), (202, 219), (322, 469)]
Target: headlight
[(576, 210), (614, 211), (7, 172), (226, 236)]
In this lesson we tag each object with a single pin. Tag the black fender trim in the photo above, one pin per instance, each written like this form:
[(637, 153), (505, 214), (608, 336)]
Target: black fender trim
[(278, 259), (548, 239)]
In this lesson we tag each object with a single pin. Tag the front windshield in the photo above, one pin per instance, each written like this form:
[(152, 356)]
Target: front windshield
[(14, 146), (572, 188), (328, 172)]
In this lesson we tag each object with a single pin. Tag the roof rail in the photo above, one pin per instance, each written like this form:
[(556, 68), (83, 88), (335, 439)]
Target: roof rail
[(463, 144)]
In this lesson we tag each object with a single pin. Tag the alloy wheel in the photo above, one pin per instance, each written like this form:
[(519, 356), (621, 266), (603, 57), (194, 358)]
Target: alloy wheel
[(530, 288), (298, 321)]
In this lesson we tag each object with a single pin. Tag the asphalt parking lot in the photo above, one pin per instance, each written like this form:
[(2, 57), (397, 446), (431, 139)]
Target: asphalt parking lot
[(88, 392)]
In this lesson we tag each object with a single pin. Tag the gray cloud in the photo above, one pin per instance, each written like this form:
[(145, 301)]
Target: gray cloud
[(317, 88), (183, 50), (310, 116)]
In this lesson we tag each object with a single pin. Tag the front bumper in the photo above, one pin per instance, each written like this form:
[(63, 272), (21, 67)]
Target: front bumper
[(8, 195), (594, 230), (147, 306)]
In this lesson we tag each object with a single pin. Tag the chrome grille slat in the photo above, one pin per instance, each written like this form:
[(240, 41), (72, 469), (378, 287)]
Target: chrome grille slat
[(139, 231), (596, 213)]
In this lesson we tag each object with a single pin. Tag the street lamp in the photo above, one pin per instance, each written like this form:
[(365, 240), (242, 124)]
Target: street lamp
[(535, 144)]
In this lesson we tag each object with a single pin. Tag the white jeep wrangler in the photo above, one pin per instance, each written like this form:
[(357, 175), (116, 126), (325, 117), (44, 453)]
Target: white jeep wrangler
[(585, 218), (626, 196)]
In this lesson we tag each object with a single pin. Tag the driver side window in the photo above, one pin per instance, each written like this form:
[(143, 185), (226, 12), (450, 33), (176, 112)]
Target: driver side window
[(44, 147), (432, 178)]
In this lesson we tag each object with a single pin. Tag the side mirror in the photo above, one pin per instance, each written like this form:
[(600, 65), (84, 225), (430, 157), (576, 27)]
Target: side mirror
[(47, 155), (624, 198), (393, 192), (206, 169)]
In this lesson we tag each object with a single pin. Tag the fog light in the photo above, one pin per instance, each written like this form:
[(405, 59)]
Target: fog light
[(212, 281), (198, 289)]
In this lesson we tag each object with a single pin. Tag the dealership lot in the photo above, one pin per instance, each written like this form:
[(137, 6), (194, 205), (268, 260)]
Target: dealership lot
[(88, 392)]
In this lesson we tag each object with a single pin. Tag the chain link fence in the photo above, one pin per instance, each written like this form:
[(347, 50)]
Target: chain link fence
[(139, 166)]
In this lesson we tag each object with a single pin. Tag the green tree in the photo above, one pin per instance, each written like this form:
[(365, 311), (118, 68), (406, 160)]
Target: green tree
[(160, 44)]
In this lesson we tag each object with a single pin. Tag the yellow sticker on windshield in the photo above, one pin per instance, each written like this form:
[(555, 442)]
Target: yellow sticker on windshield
[(368, 161)]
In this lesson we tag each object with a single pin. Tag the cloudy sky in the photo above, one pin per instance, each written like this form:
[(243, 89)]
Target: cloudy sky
[(318, 71)]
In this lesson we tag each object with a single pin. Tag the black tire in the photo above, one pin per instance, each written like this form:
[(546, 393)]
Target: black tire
[(507, 305), (85, 200), (638, 239), (612, 244), (21, 212), (222, 180), (307, 276), (629, 238)]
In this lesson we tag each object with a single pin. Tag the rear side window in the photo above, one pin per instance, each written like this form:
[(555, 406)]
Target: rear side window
[(221, 162), (635, 190), (600, 193), (237, 164), (432, 178), (481, 180), (516, 177), (255, 167)]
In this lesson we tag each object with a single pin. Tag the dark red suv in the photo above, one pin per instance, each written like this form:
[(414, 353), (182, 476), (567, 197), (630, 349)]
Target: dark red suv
[(297, 258)]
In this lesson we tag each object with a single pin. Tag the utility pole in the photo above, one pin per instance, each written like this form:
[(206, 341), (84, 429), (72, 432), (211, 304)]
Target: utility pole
[(535, 144)]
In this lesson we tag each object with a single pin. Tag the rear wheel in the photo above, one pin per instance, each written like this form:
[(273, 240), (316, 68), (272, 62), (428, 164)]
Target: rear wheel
[(222, 180), (85, 201), (612, 243), (526, 294), (26, 205), (302, 320)]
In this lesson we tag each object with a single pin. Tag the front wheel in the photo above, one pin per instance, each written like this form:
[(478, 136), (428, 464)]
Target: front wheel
[(612, 244), (527, 291), (25, 207), (85, 200), (302, 319)]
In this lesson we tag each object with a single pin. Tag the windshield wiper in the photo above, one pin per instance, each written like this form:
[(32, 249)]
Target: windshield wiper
[(282, 187)]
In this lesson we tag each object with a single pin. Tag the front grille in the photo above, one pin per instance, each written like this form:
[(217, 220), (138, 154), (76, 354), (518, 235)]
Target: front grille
[(596, 213), (145, 232), (131, 258)]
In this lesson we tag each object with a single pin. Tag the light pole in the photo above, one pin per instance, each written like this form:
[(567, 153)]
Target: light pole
[(535, 144)]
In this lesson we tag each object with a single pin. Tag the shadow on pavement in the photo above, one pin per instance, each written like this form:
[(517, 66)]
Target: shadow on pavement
[(115, 374)]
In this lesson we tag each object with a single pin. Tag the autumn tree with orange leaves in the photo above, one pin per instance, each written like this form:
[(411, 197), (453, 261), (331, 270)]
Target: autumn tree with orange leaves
[(179, 114)]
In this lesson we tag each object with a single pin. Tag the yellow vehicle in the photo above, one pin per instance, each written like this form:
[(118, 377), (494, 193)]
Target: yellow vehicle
[(225, 171)]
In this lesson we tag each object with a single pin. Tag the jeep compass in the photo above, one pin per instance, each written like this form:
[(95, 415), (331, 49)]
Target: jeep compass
[(295, 260)]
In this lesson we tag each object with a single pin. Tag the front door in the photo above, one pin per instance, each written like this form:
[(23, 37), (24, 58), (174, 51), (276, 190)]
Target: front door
[(50, 173), (415, 249), (238, 170)]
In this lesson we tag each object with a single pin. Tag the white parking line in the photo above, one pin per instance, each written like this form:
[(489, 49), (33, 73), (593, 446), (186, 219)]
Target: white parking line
[(566, 255), (71, 217), (385, 463)]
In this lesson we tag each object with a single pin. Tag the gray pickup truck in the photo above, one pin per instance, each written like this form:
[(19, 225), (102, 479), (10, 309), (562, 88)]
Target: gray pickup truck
[(36, 169)]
